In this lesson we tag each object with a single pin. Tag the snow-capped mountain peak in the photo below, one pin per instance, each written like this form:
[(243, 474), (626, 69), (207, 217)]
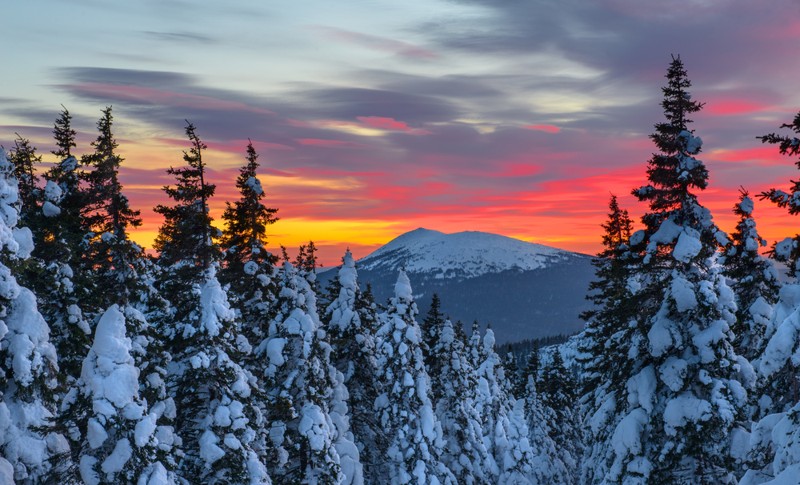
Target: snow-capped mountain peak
[(461, 255)]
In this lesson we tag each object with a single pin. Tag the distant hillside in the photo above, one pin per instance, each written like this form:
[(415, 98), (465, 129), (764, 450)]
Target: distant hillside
[(524, 290)]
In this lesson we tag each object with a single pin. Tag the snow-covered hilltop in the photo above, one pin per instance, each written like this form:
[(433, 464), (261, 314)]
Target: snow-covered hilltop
[(462, 255), (524, 290)]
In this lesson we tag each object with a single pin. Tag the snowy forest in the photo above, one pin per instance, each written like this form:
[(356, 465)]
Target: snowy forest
[(212, 360)]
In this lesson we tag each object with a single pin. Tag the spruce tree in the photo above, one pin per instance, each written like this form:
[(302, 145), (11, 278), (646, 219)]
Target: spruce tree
[(24, 159), (217, 418), (247, 265), (351, 321), (603, 345), (505, 424), (405, 409), (548, 464), (431, 328), (121, 440), (755, 282), (30, 449), (557, 395), (187, 233), (111, 256), (787, 250), (464, 451), (775, 439), (60, 247), (307, 405), (683, 401)]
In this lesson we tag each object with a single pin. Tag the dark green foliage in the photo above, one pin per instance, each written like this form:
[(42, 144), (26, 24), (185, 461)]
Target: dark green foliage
[(25, 160), (111, 256), (787, 145), (615, 305), (671, 172), (245, 236), (64, 135), (248, 266), (431, 329), (60, 246), (185, 239)]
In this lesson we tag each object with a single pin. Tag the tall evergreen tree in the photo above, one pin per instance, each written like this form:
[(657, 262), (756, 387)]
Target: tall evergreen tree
[(464, 451), (505, 424), (351, 321), (247, 265), (310, 436), (683, 397), (604, 341), (111, 256), (775, 441), (557, 395), (64, 135), (28, 364), (787, 250), (405, 408), (217, 418), (185, 240), (187, 233), (431, 328), (59, 247), (24, 159), (755, 282)]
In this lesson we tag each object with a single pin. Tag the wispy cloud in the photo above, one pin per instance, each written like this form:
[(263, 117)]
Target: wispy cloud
[(377, 43)]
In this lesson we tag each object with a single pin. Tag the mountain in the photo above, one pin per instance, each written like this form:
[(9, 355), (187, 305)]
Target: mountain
[(524, 290)]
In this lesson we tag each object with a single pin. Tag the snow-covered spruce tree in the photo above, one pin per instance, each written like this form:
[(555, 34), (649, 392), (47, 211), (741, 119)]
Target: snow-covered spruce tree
[(29, 449), (351, 321), (548, 465), (59, 248), (755, 282), (307, 399), (464, 451), (557, 395), (774, 454), (683, 400), (505, 425), (122, 442), (248, 268), (217, 419), (787, 250), (404, 406), (604, 343)]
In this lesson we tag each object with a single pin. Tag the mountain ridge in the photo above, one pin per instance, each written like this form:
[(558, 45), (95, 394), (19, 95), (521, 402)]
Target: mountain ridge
[(462, 254), (523, 289)]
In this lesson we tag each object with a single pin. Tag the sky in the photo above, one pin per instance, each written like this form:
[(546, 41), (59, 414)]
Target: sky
[(372, 118)]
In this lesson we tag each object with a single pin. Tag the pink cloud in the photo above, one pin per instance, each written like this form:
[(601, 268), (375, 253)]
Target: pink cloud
[(147, 95), (733, 107), (378, 43), (326, 143), (545, 128), (761, 155)]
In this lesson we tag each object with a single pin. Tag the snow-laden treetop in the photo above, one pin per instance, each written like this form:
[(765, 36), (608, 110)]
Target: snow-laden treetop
[(463, 254)]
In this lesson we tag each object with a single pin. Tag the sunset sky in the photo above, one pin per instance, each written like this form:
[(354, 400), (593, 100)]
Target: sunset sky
[(376, 117)]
